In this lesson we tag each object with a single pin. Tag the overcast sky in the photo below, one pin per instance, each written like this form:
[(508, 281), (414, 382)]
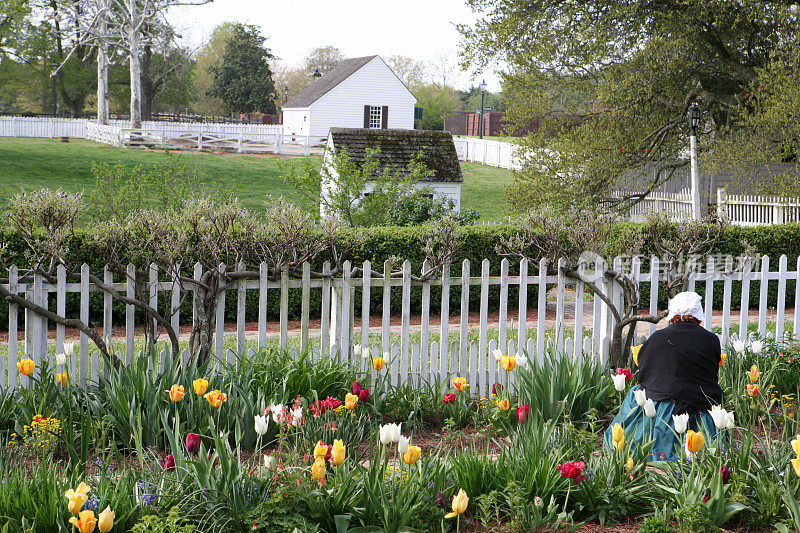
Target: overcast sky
[(421, 29)]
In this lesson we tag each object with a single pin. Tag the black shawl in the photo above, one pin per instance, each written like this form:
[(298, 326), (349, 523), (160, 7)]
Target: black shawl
[(680, 363)]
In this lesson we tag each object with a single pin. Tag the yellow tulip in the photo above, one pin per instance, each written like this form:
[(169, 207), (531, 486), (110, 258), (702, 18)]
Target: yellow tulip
[(694, 441), (508, 362), (350, 401), (176, 392), (62, 378), (796, 445), (338, 451), (378, 363), (85, 522), (26, 366), (618, 437), (629, 463), (504, 404), (460, 383), (460, 502), (722, 358), (105, 522), (796, 465), (318, 469), (200, 386), (77, 497), (321, 449), (411, 456), (635, 352), (215, 398), (753, 373)]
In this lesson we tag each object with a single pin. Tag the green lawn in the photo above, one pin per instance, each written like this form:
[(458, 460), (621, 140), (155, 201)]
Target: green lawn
[(32, 163)]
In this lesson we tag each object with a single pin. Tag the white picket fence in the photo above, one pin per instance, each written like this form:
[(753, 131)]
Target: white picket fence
[(492, 153), (757, 210), (572, 329), (677, 205), (43, 127)]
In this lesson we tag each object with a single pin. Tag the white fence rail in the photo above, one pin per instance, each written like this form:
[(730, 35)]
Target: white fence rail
[(752, 210), (677, 205), (575, 323), (42, 127), (492, 153)]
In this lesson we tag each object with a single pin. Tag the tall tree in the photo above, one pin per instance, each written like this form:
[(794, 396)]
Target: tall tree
[(412, 72), (324, 58), (242, 78), (438, 103), (210, 54), (632, 70)]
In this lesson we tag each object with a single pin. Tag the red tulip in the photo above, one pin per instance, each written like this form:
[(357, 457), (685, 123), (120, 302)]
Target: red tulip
[(168, 463), (363, 395), (573, 470), (522, 412), (626, 372), (356, 388), (449, 398), (497, 387), (192, 442)]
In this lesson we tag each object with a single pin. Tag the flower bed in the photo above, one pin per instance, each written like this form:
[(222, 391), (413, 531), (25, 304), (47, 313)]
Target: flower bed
[(276, 444)]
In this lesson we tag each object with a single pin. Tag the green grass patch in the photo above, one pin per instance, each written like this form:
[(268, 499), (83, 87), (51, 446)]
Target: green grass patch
[(32, 163)]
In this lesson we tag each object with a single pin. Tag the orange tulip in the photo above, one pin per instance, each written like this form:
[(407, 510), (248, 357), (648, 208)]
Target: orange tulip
[(85, 522), (460, 383), (411, 456), (26, 367), (200, 386), (176, 392), (753, 373), (752, 390), (504, 404), (350, 401), (62, 378), (508, 362), (378, 363), (722, 358), (215, 398), (694, 441)]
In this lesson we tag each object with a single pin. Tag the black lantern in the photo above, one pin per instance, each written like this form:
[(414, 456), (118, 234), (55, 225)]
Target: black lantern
[(317, 74), (694, 118)]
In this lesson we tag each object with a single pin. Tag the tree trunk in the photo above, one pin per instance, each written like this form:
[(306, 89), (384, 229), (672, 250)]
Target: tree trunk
[(102, 79), (147, 84), (200, 343), (135, 65)]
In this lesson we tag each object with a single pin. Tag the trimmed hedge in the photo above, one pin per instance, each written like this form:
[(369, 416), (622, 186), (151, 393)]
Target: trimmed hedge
[(479, 243)]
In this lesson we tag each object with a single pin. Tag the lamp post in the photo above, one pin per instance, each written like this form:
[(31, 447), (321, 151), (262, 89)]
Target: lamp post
[(54, 66), (694, 122), (285, 92), (483, 94)]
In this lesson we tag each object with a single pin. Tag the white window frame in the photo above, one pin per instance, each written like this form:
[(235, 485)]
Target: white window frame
[(375, 117)]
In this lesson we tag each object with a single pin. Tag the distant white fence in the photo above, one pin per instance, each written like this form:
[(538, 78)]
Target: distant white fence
[(426, 358), (254, 138), (753, 210), (677, 205), (492, 153)]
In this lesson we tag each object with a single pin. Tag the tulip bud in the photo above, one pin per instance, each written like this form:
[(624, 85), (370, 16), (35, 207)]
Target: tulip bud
[(105, 521), (640, 396), (261, 424), (537, 501), (61, 359), (411, 456), (318, 469), (192, 442), (338, 452), (680, 422), (617, 437), (200, 386), (649, 408), (402, 445), (176, 393), (363, 395), (619, 381), (69, 348)]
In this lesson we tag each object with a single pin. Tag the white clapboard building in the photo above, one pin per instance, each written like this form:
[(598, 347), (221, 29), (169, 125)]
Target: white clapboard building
[(362, 92), (396, 149)]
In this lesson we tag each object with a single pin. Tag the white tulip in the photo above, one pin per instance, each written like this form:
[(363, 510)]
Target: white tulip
[(396, 432), (297, 416), (649, 408), (269, 462), (277, 412), (738, 346), (386, 433), (497, 354), (756, 347), (260, 424), (619, 381), (61, 359), (731, 421), (402, 445), (720, 416), (357, 350), (640, 396), (69, 348), (680, 422)]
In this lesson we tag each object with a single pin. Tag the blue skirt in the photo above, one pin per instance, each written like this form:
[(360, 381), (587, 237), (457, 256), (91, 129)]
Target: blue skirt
[(661, 427)]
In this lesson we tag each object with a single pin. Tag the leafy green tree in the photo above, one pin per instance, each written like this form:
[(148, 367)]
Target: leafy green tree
[(210, 54), (437, 102), (243, 78), (630, 70), (324, 58)]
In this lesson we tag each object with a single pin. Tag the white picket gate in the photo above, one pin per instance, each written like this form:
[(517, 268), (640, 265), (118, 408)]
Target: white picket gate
[(425, 358)]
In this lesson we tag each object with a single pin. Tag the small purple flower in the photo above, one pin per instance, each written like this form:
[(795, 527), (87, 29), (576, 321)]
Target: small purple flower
[(92, 504)]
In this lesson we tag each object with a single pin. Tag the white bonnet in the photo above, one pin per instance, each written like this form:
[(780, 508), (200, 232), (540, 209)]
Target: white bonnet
[(687, 303)]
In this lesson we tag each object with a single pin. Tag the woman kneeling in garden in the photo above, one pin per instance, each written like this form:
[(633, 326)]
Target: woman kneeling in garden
[(678, 382)]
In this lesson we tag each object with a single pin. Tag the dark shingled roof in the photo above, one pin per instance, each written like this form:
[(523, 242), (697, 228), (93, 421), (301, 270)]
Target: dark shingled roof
[(399, 147), (318, 88)]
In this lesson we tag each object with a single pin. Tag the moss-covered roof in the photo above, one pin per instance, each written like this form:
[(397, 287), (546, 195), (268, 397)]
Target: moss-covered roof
[(399, 147)]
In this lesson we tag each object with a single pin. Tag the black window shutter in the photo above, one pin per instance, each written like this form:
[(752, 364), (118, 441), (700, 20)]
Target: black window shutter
[(366, 116), (385, 117)]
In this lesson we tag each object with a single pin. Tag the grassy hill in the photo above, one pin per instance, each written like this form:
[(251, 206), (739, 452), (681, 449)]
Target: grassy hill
[(32, 163)]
